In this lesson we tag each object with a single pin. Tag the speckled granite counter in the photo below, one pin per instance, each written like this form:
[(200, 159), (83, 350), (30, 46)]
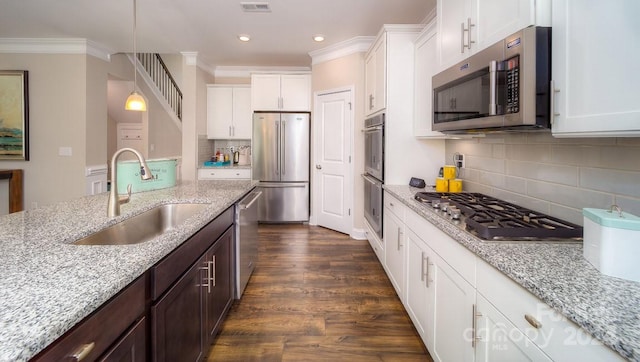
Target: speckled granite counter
[(558, 274), (48, 285)]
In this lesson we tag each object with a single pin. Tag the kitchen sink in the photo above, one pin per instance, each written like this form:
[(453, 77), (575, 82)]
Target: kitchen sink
[(145, 226)]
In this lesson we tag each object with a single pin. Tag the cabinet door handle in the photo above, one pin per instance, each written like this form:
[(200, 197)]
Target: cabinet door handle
[(534, 322), (230, 131), (428, 278), (399, 238), (370, 101), (206, 279), (213, 270), (468, 31), (422, 272), (474, 325), (82, 351), (552, 101)]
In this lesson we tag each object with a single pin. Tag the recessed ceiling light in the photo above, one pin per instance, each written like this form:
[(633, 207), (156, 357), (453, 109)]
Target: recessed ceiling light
[(244, 37), (318, 37)]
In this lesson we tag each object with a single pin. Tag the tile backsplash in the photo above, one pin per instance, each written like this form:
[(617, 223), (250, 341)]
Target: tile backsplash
[(207, 147), (557, 176)]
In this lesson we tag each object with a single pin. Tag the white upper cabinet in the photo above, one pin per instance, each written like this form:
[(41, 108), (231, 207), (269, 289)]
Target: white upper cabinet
[(468, 26), (425, 66), (375, 76), (228, 112), (281, 92), (596, 86)]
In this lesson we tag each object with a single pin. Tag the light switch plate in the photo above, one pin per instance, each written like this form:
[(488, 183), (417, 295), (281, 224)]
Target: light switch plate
[(65, 151)]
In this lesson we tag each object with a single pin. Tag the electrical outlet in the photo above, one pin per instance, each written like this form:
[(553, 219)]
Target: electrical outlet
[(458, 160)]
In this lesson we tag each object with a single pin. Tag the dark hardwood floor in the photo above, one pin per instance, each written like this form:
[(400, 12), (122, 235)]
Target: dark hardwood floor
[(317, 295)]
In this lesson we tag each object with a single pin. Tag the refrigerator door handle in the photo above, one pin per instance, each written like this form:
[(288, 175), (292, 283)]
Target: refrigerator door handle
[(283, 139), (281, 185), (278, 149)]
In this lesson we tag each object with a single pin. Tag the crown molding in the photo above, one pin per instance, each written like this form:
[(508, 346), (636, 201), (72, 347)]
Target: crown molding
[(357, 44), (190, 58), (54, 46), (246, 71)]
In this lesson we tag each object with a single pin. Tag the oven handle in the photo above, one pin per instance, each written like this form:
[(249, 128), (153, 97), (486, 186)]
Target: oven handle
[(370, 179), (371, 129), (493, 87)]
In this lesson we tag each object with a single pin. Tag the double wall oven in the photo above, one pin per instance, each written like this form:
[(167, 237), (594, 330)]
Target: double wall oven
[(374, 171)]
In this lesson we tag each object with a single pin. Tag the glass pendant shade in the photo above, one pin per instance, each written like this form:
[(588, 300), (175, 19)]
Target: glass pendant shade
[(135, 102)]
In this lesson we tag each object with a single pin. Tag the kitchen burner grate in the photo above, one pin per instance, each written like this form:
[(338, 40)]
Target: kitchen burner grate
[(490, 218)]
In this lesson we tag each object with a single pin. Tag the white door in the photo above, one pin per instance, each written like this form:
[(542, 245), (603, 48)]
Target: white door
[(333, 179)]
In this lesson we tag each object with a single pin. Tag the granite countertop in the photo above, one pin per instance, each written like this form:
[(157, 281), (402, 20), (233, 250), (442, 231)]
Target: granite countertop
[(48, 284), (558, 274)]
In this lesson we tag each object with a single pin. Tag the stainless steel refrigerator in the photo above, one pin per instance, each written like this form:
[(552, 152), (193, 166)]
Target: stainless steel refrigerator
[(280, 161)]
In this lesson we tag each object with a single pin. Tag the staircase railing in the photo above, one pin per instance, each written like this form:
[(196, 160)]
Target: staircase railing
[(161, 76)]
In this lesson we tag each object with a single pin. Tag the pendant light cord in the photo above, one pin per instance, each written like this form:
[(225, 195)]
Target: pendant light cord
[(135, 56)]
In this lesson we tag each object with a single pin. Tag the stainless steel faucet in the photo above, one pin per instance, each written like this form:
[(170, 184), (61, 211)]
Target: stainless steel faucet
[(113, 207)]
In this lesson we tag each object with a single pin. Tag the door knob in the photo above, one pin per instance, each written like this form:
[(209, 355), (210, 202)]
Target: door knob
[(319, 167)]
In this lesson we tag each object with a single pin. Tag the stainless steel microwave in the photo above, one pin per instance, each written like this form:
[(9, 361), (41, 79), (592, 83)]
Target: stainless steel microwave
[(503, 87)]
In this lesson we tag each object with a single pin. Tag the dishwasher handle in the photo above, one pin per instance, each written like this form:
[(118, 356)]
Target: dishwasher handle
[(256, 196)]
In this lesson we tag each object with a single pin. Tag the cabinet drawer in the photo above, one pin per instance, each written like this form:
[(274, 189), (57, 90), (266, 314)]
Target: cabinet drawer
[(558, 337), (394, 205), (102, 328), (169, 269), (224, 173)]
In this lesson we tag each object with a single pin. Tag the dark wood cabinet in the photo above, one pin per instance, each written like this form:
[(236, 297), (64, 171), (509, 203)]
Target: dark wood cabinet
[(178, 317), (187, 315), (171, 313), (218, 300), (132, 347), (101, 330)]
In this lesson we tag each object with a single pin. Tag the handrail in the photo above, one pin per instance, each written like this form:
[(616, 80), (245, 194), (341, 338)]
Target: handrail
[(157, 70)]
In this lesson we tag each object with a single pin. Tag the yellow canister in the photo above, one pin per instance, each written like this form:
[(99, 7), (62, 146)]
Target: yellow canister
[(442, 184), (449, 172), (455, 185)]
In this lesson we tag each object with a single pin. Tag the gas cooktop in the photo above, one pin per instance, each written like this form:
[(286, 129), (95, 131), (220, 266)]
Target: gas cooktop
[(493, 219)]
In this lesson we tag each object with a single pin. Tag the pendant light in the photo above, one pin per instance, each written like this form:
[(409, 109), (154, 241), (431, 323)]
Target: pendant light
[(135, 102)]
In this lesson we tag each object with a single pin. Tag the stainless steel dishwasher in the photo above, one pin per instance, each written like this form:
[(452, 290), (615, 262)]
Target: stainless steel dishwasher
[(246, 239)]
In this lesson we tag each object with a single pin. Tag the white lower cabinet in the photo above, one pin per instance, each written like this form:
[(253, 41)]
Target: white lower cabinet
[(498, 340), (439, 300), (552, 333), (394, 250), (224, 174), (454, 303), (420, 288), (466, 310)]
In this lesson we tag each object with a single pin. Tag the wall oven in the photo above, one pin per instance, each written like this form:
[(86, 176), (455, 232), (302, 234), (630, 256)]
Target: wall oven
[(506, 86), (374, 171)]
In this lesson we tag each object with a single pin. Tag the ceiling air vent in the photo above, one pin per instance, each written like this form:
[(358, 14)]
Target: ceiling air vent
[(255, 7)]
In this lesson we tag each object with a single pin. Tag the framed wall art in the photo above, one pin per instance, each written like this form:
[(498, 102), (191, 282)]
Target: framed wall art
[(14, 115)]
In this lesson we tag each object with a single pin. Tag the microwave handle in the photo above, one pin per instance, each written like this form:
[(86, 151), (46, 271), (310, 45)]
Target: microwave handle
[(493, 87)]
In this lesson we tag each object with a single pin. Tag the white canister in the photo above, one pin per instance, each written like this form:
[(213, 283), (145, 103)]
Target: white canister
[(611, 242)]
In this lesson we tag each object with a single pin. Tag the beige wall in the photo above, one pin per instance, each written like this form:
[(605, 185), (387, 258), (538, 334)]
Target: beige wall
[(58, 111), (347, 71)]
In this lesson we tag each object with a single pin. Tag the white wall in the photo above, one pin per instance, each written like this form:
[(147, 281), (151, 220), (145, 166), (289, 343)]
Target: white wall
[(558, 176)]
